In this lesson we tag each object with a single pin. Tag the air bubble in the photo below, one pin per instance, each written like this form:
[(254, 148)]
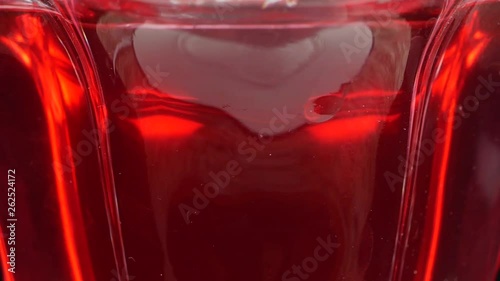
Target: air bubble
[(324, 108)]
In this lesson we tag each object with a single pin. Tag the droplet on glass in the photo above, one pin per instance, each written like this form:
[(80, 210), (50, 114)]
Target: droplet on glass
[(324, 108)]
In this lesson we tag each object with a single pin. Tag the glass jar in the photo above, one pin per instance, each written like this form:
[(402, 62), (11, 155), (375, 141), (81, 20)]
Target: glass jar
[(250, 140)]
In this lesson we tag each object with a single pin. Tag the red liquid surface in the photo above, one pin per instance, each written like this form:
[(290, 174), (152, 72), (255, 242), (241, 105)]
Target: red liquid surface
[(256, 152)]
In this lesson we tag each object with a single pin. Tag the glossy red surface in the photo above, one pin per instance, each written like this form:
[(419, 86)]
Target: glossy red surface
[(346, 148)]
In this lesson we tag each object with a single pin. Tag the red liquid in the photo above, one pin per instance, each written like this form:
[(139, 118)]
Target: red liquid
[(313, 179), (61, 231), (239, 159)]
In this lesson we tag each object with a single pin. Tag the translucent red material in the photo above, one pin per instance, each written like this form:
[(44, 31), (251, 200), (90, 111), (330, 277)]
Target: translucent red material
[(285, 140)]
